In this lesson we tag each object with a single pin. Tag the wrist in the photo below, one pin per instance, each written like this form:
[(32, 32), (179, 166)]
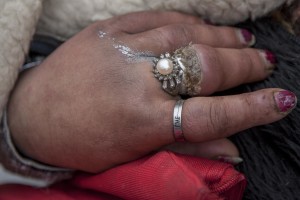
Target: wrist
[(14, 161)]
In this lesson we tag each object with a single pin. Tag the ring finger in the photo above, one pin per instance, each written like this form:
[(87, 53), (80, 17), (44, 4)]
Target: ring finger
[(208, 70), (222, 69), (218, 68)]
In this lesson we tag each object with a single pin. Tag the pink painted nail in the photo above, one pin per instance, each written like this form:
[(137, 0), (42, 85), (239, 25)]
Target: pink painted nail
[(230, 160), (248, 37), (285, 100), (270, 57)]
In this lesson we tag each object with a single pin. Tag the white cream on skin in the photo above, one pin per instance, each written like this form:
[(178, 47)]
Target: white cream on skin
[(131, 55)]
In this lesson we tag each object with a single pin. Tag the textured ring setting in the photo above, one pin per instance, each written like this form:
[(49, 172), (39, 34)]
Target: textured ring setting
[(167, 69)]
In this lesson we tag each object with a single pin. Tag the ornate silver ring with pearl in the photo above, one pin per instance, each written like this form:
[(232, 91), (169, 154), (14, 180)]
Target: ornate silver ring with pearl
[(169, 71)]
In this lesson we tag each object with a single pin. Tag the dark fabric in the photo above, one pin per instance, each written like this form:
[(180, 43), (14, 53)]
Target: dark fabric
[(40, 47), (162, 176), (43, 45), (272, 153)]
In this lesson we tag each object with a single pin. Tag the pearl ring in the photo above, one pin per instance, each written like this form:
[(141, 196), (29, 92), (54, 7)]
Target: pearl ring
[(169, 71), (180, 73)]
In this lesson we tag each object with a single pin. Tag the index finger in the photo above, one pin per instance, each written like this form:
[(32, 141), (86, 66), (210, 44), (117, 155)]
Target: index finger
[(171, 37), (147, 20)]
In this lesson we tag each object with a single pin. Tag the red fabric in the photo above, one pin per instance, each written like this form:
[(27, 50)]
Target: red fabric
[(164, 175)]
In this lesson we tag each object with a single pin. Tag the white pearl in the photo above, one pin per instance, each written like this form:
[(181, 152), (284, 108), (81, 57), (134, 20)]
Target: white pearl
[(164, 66)]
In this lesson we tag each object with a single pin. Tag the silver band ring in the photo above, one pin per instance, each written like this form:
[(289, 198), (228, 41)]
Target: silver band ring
[(177, 121)]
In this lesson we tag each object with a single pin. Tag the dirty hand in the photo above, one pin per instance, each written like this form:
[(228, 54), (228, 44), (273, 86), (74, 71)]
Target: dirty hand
[(95, 103)]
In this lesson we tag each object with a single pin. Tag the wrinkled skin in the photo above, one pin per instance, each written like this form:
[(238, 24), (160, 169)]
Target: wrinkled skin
[(87, 107)]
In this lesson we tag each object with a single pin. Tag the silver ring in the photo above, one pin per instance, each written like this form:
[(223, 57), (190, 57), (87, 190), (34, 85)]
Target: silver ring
[(177, 121), (169, 71)]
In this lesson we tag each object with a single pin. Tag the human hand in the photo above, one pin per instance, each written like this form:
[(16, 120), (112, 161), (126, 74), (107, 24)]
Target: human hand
[(94, 103)]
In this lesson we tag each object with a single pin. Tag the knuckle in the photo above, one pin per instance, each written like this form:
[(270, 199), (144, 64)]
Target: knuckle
[(227, 36), (121, 21), (164, 36), (109, 27), (115, 26), (254, 69), (189, 119), (213, 56), (218, 122), (183, 33), (176, 32), (212, 59), (211, 65), (248, 61), (193, 20), (250, 107), (202, 123), (247, 100)]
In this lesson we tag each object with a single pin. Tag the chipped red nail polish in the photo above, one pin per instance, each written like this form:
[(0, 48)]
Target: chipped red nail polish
[(247, 37), (285, 100), (270, 57)]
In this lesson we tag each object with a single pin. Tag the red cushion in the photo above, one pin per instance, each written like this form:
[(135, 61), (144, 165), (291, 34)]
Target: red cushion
[(164, 175)]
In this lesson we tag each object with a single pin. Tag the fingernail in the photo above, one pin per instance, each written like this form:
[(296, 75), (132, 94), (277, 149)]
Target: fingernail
[(230, 159), (247, 37), (285, 100), (269, 59)]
